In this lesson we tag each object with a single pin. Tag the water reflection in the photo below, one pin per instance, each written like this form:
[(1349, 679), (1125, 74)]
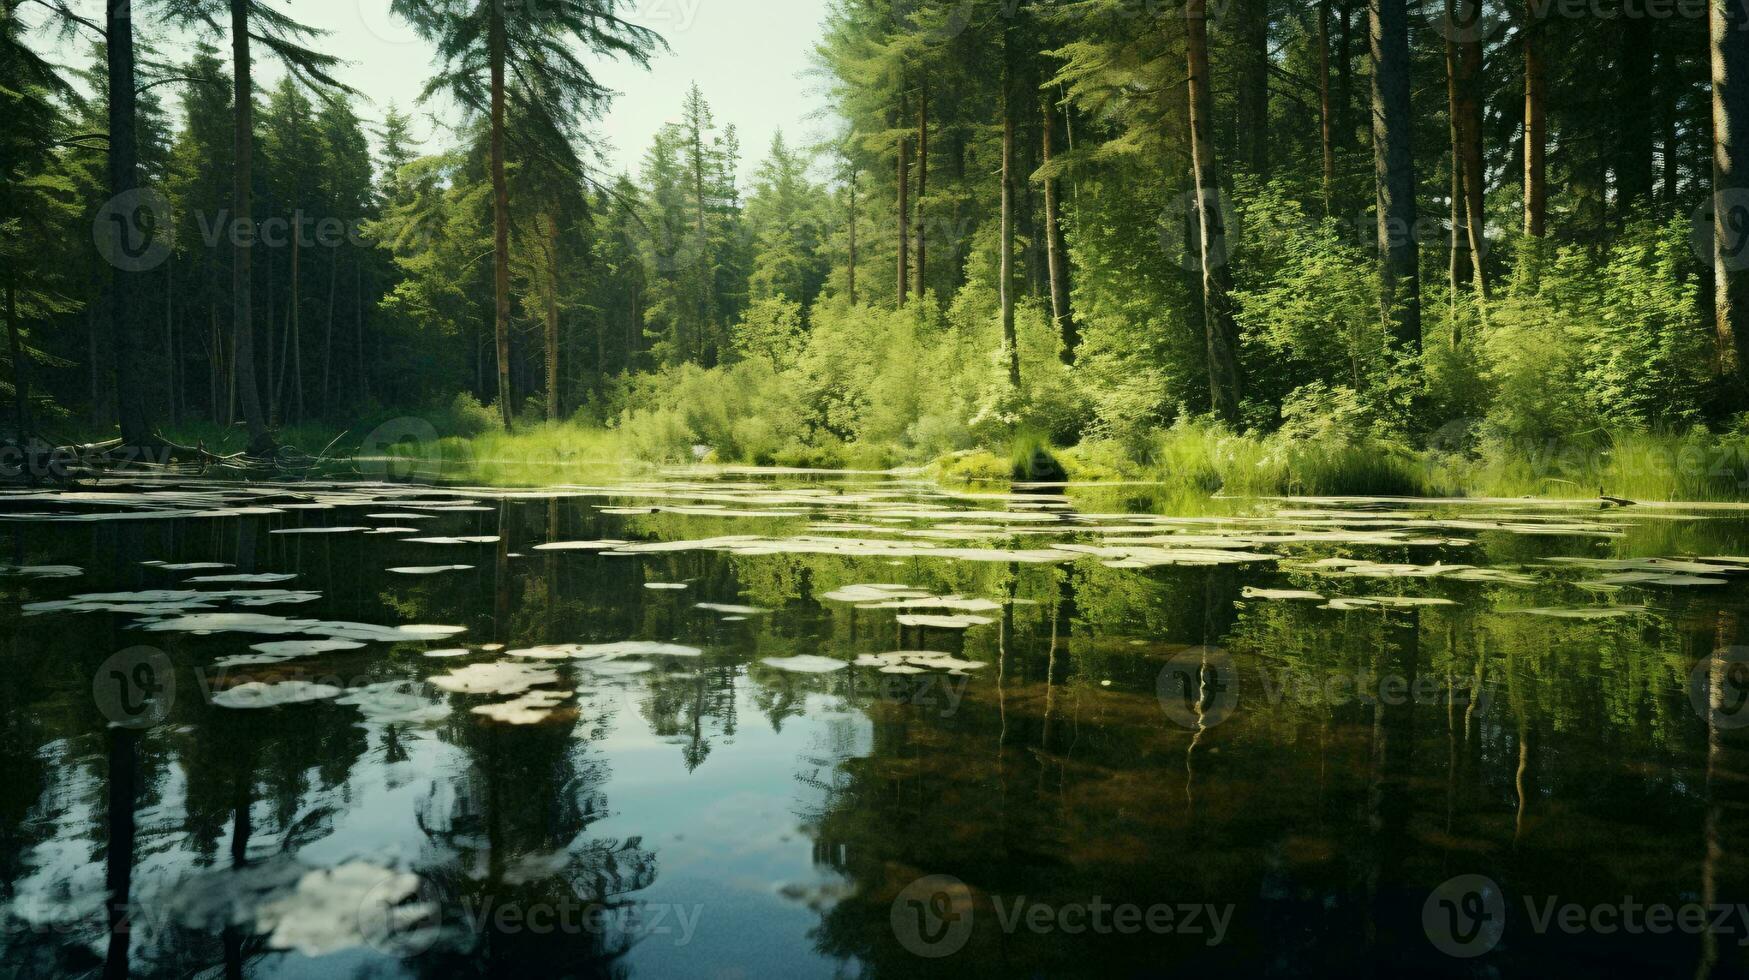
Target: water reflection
[(1288, 803)]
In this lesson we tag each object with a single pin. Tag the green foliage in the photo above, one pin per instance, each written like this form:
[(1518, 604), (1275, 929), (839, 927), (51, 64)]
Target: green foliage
[(771, 330), (468, 417)]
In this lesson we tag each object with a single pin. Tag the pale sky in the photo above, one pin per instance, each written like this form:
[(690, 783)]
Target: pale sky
[(749, 57)]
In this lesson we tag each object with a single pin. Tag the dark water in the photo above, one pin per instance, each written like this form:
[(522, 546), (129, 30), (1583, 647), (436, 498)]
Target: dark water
[(1109, 760)]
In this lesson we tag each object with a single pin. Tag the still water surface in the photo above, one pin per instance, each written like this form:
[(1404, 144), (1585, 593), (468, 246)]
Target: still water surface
[(852, 726)]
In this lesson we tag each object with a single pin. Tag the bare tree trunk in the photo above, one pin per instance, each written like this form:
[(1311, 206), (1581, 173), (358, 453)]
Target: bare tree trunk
[(1221, 336), (552, 318), (93, 363), (172, 389), (242, 271), (358, 331), (296, 338), (500, 219), (20, 370), (124, 177), (1536, 127), (1394, 163), (1632, 112), (215, 365), (1469, 108), (1460, 267), (1326, 116), (1345, 76), (922, 185), (328, 340), (1005, 284), (1253, 95), (277, 363), (852, 270), (1056, 253), (904, 286), (1730, 63)]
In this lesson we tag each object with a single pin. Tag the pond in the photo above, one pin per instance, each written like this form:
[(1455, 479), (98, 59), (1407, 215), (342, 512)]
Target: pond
[(761, 726)]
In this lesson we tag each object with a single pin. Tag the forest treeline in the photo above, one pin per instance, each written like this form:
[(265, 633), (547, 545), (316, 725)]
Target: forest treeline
[(1451, 226)]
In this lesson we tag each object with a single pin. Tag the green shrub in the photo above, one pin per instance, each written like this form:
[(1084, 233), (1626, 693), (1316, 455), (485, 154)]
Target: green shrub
[(467, 417)]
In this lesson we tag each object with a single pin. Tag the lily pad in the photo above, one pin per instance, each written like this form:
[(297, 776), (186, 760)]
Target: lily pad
[(805, 663), (255, 694), (497, 677), (529, 709)]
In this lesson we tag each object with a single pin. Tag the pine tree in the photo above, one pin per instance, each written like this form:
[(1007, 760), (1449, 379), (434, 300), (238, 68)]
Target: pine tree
[(480, 42)]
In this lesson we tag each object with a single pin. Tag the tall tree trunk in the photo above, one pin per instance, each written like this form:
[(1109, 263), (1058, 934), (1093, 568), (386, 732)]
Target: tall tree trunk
[(358, 331), (500, 219), (852, 269), (904, 284), (1672, 148), (1253, 95), (170, 386), (1469, 109), (1394, 164), (1536, 126), (1056, 253), (1326, 115), (702, 269), (922, 186), (124, 177), (274, 368), (1345, 128), (1729, 29), (93, 359), (20, 369), (1005, 275), (1221, 335), (242, 196), (277, 363), (1461, 268), (1633, 116), (296, 338), (552, 318), (216, 368), (328, 331)]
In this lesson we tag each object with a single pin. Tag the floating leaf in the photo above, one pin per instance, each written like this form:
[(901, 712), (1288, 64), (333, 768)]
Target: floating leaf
[(806, 663), (255, 694)]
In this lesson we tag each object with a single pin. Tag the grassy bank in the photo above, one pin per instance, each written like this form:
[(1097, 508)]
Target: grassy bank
[(1192, 458), (1197, 459)]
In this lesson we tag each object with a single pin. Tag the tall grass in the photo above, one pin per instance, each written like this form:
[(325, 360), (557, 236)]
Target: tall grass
[(560, 452), (1633, 464), (1191, 458), (1213, 460)]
